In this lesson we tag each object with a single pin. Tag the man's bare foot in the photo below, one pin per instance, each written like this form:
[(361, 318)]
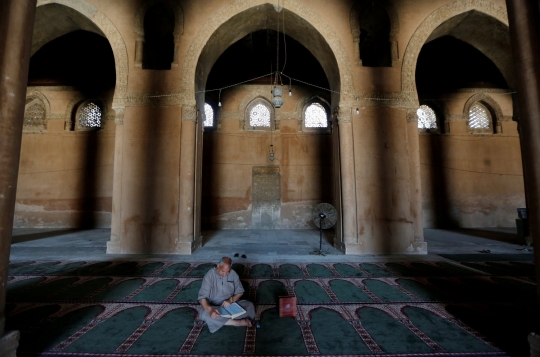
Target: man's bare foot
[(246, 322), (243, 322)]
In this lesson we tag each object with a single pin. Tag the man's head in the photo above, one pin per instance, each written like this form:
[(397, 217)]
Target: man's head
[(223, 268)]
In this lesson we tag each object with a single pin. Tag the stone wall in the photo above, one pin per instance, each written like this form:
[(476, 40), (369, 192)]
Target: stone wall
[(472, 179), (66, 174), (237, 163)]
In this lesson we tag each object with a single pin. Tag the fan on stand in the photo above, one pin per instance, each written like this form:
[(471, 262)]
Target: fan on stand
[(324, 217)]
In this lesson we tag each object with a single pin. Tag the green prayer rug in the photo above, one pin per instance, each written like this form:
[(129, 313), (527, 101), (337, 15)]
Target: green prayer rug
[(139, 309)]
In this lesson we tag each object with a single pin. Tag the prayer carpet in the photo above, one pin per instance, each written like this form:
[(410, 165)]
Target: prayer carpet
[(349, 309)]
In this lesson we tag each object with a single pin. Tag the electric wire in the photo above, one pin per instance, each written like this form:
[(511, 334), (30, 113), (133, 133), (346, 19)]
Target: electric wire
[(355, 96), (284, 38)]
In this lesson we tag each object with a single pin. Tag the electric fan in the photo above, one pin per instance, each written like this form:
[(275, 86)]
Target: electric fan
[(324, 217)]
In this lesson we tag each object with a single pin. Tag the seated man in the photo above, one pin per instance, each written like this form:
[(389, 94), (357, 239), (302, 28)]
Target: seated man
[(221, 286)]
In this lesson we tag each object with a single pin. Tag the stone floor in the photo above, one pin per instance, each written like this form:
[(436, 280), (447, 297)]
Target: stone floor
[(265, 246)]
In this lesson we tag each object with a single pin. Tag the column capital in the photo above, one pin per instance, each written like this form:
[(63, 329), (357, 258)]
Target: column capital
[(189, 113), (119, 115), (344, 115)]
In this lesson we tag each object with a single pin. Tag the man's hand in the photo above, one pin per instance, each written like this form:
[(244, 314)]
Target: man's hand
[(214, 313), (226, 303)]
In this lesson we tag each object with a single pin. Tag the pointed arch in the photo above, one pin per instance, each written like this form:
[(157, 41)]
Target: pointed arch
[(491, 105), (36, 112), (89, 18), (265, 103), (428, 27), (337, 67), (37, 94)]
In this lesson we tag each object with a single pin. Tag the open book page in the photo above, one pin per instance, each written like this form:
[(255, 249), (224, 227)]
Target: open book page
[(232, 311)]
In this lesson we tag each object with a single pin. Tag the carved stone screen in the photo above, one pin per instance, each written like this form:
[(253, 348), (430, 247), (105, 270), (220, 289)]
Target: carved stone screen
[(315, 116), (478, 117), (266, 197), (259, 116), (427, 119), (208, 115), (90, 116), (34, 115)]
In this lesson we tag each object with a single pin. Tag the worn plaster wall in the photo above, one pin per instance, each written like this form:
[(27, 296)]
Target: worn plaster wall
[(383, 176), (234, 152), (149, 179), (471, 179), (65, 176)]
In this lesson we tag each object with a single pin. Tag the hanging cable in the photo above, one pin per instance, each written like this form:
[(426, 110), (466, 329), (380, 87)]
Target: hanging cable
[(277, 48), (271, 76), (290, 87), (229, 86), (284, 38)]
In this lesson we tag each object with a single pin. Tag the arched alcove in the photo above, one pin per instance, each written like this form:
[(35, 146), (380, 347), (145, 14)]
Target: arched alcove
[(164, 35), (374, 27), (456, 19), (73, 15), (238, 26), (77, 54), (158, 50), (461, 55)]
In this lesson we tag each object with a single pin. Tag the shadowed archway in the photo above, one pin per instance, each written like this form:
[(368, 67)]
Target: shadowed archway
[(241, 23)]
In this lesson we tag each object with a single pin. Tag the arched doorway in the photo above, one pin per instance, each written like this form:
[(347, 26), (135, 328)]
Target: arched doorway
[(240, 24), (66, 167), (266, 174), (470, 154)]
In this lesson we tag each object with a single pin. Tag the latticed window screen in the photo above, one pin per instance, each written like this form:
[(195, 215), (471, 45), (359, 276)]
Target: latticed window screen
[(208, 115), (315, 116), (259, 116), (90, 116), (478, 117), (427, 119), (34, 115)]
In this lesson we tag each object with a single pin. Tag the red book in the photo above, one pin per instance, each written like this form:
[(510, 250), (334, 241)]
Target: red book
[(287, 306)]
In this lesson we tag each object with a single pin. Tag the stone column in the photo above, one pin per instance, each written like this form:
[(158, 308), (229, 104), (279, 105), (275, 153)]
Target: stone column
[(187, 180), (16, 27), (419, 245), (348, 183), (524, 20), (113, 246)]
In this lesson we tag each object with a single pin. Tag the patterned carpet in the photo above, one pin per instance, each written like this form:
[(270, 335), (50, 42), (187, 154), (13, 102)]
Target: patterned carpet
[(391, 309)]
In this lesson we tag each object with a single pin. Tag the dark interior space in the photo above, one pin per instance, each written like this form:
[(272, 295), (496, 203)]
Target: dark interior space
[(447, 64), (158, 50), (375, 46), (255, 55), (82, 59)]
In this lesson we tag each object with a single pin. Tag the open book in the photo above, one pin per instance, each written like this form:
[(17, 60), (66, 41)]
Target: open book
[(232, 311)]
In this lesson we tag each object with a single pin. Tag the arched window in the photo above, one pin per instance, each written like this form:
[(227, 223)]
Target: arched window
[(427, 119), (34, 115), (259, 116), (315, 116), (158, 50), (208, 115), (479, 117), (89, 116)]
